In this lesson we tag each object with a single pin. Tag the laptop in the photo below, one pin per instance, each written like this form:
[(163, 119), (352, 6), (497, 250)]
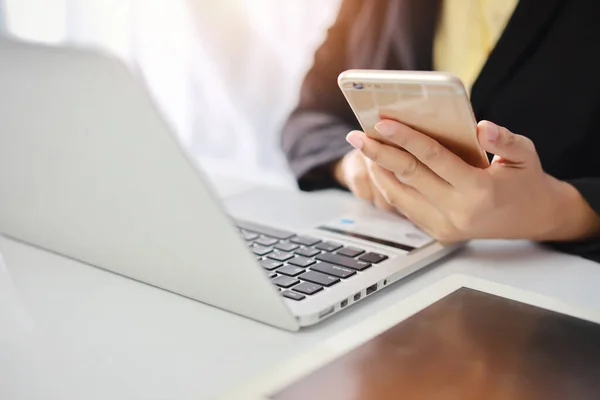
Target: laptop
[(90, 170)]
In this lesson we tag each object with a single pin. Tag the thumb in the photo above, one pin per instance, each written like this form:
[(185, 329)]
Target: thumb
[(504, 144)]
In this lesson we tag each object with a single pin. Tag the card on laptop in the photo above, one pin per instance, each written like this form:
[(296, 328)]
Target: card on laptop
[(384, 229), (459, 339)]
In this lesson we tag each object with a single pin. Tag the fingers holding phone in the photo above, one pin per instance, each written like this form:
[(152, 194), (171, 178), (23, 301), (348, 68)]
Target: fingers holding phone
[(352, 172)]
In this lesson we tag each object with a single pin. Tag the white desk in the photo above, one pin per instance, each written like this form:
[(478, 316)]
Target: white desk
[(76, 332)]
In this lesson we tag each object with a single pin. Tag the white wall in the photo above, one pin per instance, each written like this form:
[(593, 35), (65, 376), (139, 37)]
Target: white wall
[(36, 20), (226, 72)]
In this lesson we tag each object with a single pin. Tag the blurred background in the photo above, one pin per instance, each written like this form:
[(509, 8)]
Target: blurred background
[(226, 73)]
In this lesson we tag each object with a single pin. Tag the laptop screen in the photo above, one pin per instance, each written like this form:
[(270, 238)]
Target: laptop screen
[(469, 345)]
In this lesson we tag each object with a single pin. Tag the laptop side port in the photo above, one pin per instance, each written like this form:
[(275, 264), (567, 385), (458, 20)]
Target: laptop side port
[(371, 289), (357, 296), (344, 303), (326, 312)]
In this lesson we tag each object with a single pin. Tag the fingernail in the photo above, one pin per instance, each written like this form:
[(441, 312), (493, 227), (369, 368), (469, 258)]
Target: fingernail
[(492, 131), (355, 139), (386, 128)]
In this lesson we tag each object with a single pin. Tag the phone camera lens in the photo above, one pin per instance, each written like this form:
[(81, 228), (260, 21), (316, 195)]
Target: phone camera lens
[(358, 86)]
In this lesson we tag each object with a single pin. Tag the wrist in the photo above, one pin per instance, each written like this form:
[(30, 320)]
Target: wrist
[(570, 217)]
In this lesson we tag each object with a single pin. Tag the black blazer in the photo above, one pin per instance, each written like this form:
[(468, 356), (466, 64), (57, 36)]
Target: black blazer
[(542, 80)]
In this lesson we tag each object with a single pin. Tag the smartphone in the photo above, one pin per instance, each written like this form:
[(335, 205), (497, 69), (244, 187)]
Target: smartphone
[(434, 103)]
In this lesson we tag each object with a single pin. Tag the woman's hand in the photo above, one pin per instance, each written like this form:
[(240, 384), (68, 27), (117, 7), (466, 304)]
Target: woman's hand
[(453, 201), (352, 173)]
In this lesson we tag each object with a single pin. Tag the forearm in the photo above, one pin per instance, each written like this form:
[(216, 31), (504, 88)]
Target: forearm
[(313, 143), (313, 138)]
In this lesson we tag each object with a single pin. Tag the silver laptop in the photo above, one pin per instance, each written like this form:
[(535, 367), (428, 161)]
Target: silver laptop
[(90, 170)]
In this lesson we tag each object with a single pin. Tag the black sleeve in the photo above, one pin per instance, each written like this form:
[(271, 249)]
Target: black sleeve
[(314, 135), (590, 249)]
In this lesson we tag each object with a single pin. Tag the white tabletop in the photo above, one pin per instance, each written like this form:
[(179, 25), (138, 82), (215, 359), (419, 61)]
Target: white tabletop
[(71, 331)]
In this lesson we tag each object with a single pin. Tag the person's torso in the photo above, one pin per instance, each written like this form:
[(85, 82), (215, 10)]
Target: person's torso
[(466, 33), (541, 79), (551, 92)]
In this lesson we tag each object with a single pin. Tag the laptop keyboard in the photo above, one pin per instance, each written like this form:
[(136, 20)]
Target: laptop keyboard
[(303, 266)]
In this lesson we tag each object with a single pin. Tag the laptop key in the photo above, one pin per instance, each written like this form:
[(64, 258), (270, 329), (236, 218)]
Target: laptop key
[(264, 230), (270, 265), (307, 288), (307, 252), (293, 295), (319, 278), (285, 281), (261, 250), (328, 246), (373, 258), (334, 270), (301, 261), (280, 255), (286, 246), (350, 251), (249, 235), (305, 240), (266, 241), (343, 261), (290, 270)]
